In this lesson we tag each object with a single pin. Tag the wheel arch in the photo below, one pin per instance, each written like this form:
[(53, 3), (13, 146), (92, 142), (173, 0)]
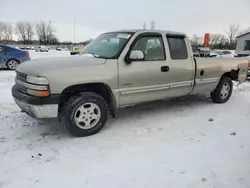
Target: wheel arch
[(101, 89), (233, 74)]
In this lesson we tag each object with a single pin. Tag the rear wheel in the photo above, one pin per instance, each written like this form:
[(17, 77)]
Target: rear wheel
[(223, 91), (12, 64), (85, 114)]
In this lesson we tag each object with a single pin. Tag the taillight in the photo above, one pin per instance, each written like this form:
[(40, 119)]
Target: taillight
[(27, 54)]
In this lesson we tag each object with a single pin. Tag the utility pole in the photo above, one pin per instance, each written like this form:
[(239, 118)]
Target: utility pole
[(74, 32), (152, 25)]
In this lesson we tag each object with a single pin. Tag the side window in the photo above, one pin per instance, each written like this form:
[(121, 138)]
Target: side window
[(6, 49), (247, 45), (177, 47), (152, 47), (1, 49)]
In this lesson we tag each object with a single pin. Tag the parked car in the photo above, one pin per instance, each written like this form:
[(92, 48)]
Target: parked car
[(120, 69), (11, 57), (62, 49), (75, 53), (76, 50), (243, 54), (42, 49), (221, 54)]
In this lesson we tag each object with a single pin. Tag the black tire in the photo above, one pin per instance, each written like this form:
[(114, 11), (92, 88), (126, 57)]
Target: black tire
[(12, 64), (70, 108), (217, 95)]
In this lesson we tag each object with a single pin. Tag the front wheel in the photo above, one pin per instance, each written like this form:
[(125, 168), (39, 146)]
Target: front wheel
[(85, 114), (223, 91)]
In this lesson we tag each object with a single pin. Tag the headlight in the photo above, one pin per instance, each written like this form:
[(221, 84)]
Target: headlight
[(37, 80)]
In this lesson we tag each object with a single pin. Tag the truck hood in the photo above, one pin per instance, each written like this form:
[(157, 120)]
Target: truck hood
[(37, 66)]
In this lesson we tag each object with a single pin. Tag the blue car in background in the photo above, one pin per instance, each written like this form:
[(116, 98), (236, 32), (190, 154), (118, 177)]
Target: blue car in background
[(11, 57)]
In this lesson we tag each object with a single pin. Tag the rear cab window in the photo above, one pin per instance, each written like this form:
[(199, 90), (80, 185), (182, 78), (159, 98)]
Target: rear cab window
[(177, 47)]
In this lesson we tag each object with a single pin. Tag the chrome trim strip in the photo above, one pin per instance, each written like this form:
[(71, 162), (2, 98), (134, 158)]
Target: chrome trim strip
[(144, 90), (208, 80), (130, 91)]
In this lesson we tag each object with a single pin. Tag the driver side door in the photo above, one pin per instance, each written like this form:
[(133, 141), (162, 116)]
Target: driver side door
[(144, 80)]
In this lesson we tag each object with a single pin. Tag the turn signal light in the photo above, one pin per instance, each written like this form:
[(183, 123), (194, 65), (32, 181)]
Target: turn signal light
[(43, 93), (38, 93)]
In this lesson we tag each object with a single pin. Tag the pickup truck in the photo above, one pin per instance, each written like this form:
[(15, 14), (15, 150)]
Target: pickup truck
[(120, 69)]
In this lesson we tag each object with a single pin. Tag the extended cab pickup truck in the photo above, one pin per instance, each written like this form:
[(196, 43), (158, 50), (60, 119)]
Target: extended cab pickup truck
[(119, 69)]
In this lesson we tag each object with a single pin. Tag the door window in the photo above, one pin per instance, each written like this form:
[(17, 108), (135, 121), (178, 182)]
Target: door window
[(152, 47), (1, 49)]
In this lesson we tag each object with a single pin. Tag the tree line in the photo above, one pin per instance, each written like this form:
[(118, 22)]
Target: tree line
[(222, 41), (28, 33)]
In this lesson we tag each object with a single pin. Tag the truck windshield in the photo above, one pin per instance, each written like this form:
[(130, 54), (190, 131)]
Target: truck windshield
[(108, 45)]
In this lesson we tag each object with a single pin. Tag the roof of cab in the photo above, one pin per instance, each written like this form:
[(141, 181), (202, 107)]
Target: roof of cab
[(147, 30)]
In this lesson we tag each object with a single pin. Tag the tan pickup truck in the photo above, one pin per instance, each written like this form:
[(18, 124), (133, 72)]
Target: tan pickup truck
[(119, 69)]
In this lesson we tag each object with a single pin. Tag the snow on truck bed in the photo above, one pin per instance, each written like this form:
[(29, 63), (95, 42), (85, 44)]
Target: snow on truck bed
[(183, 143)]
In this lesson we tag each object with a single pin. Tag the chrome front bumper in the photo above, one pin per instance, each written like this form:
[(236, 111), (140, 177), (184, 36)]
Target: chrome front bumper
[(39, 111)]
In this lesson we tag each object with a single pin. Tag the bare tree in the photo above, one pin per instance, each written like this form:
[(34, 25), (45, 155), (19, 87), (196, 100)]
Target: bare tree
[(25, 31), (2, 25), (45, 32), (231, 33), (29, 31), (20, 31), (244, 31), (216, 39), (6, 32), (195, 39)]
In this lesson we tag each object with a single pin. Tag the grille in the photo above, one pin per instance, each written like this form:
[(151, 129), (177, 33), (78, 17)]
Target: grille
[(21, 76), (21, 89)]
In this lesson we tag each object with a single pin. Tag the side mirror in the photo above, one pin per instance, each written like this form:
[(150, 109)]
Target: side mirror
[(136, 55)]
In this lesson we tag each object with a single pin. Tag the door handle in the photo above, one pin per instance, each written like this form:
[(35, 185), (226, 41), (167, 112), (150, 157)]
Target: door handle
[(164, 68)]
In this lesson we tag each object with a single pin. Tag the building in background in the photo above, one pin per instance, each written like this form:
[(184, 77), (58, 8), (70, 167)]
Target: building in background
[(243, 43)]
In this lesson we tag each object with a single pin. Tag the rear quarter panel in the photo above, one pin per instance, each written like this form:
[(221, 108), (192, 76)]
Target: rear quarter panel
[(17, 54), (214, 68)]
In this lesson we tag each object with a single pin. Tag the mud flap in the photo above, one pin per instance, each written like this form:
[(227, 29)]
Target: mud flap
[(242, 73)]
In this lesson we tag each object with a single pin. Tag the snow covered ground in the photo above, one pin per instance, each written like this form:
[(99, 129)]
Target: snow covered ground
[(167, 144)]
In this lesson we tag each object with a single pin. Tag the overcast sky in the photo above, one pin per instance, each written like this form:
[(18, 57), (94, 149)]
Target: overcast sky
[(93, 17)]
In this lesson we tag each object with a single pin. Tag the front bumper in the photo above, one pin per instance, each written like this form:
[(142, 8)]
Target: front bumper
[(38, 107)]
